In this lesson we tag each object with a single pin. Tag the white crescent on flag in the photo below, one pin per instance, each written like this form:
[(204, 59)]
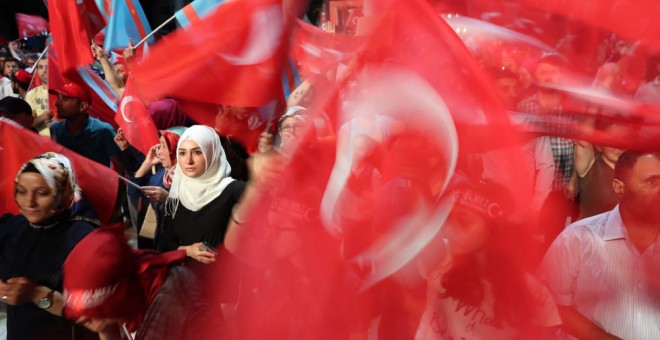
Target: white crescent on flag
[(266, 29), (122, 106)]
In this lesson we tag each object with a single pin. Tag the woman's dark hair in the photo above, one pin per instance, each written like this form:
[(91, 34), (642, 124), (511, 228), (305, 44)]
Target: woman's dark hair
[(513, 300)]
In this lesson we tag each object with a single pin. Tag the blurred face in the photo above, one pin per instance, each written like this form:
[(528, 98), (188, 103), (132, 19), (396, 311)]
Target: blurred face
[(42, 70), (68, 107), (467, 231), (121, 71), (163, 154), (191, 159), (34, 197), (507, 87), (290, 130), (265, 141), (30, 61), (11, 67), (640, 192), (546, 73), (611, 154)]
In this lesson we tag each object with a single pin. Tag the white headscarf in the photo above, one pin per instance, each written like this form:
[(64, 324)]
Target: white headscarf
[(196, 192)]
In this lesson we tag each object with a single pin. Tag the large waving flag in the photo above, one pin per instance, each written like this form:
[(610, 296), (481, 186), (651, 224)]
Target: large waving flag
[(196, 11), (126, 20), (73, 24), (136, 122), (233, 57), (99, 183), (409, 135)]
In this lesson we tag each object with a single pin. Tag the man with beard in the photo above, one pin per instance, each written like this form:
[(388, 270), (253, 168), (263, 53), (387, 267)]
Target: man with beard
[(603, 270)]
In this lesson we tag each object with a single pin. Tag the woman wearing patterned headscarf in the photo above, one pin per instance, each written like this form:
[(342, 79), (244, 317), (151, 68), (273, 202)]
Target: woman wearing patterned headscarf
[(33, 247)]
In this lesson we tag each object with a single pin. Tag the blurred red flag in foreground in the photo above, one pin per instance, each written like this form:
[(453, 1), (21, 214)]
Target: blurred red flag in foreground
[(347, 214), (317, 52), (99, 183), (136, 122), (632, 19)]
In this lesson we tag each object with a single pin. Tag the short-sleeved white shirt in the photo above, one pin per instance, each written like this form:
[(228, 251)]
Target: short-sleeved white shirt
[(592, 267)]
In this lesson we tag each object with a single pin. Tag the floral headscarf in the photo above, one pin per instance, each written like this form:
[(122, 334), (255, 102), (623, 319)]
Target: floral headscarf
[(57, 172)]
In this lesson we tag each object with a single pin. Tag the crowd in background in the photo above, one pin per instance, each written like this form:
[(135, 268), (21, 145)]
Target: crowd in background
[(229, 241)]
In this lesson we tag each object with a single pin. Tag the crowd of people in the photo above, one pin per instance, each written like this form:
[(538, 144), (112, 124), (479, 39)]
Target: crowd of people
[(231, 245)]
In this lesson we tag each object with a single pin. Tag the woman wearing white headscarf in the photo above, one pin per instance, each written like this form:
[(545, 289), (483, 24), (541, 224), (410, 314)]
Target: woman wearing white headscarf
[(202, 195)]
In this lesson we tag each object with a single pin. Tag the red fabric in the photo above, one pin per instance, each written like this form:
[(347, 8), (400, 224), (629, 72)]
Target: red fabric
[(233, 57), (73, 25), (171, 140), (73, 90), (316, 51), (30, 25), (103, 259), (17, 146), (410, 67), (632, 19), (135, 120), (241, 124)]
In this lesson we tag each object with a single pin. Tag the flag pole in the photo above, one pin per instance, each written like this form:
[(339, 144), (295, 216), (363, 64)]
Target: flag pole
[(154, 31)]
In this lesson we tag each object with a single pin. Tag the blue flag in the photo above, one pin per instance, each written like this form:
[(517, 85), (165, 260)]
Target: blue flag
[(196, 11)]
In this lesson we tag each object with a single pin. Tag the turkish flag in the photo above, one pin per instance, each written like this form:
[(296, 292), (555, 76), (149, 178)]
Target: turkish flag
[(316, 51), (364, 206), (73, 25), (30, 25), (17, 146), (232, 57), (634, 20), (136, 122)]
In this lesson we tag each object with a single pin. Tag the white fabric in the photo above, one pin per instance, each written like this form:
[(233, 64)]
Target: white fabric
[(594, 268), (448, 318), (196, 192)]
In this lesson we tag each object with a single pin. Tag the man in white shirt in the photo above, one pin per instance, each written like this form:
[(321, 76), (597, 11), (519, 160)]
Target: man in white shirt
[(604, 271)]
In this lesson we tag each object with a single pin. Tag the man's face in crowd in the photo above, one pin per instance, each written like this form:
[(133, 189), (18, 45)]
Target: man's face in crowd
[(11, 67), (68, 107), (42, 70), (508, 90), (121, 71), (640, 190), (546, 73)]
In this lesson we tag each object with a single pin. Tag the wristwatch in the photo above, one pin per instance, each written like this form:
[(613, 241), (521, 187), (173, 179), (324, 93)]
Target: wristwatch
[(47, 301)]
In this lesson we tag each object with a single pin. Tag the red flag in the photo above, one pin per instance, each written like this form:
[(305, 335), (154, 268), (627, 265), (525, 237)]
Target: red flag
[(104, 100), (233, 57), (99, 183), (73, 25), (242, 124), (317, 52), (632, 19), (30, 25), (364, 207), (136, 122)]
